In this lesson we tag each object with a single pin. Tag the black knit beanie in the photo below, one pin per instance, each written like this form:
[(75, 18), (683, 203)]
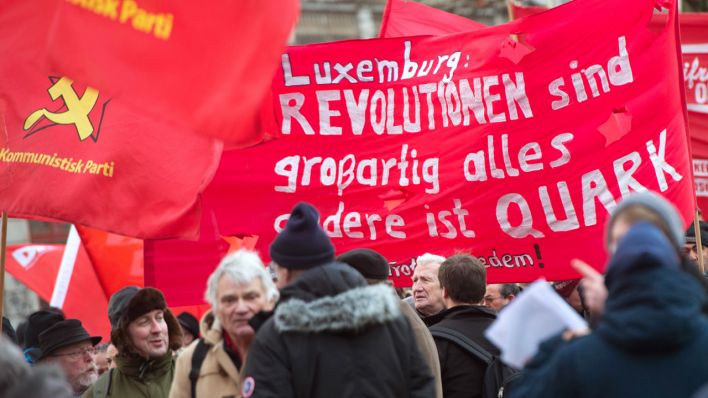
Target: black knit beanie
[(303, 244)]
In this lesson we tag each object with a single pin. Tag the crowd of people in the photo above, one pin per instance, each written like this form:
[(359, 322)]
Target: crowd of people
[(315, 325)]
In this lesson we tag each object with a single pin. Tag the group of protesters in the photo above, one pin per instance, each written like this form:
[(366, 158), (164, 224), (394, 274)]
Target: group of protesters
[(313, 324)]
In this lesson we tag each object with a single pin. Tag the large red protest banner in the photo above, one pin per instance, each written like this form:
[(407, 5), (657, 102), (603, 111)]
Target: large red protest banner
[(512, 150), (204, 67), (73, 153)]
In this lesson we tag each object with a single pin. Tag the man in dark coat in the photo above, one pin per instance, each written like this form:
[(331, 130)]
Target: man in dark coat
[(331, 334), (463, 280), (652, 340)]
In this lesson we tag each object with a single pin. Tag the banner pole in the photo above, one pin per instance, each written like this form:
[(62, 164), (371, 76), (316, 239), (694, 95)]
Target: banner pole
[(3, 249), (699, 242), (510, 9)]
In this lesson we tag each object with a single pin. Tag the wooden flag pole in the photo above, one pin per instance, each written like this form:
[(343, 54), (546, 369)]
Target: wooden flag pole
[(699, 242), (510, 9), (3, 249)]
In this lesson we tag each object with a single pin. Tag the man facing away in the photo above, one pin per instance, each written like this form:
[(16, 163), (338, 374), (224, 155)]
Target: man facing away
[(463, 279), (331, 334)]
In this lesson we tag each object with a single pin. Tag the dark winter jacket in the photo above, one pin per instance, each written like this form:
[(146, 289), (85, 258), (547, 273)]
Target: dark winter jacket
[(462, 374), (651, 342), (135, 377), (332, 335)]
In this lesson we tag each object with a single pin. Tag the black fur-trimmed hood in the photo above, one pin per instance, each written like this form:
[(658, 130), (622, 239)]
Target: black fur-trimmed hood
[(334, 297), (352, 310)]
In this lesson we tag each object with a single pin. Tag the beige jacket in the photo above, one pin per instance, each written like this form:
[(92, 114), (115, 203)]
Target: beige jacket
[(218, 377), (426, 344)]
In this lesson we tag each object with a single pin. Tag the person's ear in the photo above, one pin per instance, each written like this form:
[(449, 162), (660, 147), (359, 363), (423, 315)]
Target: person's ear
[(445, 294)]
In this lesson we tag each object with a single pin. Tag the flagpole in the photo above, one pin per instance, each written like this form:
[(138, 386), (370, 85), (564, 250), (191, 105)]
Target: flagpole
[(699, 242), (3, 249)]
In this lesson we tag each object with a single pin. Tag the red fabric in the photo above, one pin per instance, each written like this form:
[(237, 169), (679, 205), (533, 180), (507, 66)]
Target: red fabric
[(206, 68), (36, 266), (519, 11), (401, 17), (694, 39), (621, 126), (130, 175)]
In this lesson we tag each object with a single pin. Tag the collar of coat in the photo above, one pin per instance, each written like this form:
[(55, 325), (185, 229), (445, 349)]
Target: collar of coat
[(352, 310)]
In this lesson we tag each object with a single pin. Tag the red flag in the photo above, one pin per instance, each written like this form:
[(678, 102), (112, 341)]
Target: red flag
[(517, 10), (409, 18), (37, 267), (207, 68), (72, 153)]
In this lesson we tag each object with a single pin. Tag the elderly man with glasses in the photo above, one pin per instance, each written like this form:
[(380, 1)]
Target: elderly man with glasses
[(497, 295), (68, 344)]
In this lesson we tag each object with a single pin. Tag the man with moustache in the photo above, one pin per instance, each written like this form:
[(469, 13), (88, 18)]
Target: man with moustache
[(68, 344)]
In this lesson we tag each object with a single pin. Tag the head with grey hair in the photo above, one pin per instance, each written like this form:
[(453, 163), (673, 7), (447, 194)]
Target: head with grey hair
[(13, 365), (239, 288), (427, 292)]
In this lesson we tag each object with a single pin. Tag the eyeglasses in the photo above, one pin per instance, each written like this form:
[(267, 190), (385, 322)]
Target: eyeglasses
[(75, 355), (490, 299)]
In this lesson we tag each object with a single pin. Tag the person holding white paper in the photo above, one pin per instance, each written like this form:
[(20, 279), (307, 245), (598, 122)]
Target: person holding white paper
[(652, 340)]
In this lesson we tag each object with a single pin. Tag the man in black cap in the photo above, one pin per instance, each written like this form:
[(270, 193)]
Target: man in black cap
[(691, 242), (69, 345), (374, 268), (190, 328), (331, 334), (145, 332), (37, 323)]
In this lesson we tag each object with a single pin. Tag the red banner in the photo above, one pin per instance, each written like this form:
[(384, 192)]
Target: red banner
[(694, 38), (511, 142), (207, 68), (72, 153), (517, 10)]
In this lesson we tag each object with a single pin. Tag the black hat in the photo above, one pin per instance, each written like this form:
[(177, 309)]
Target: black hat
[(8, 330), (189, 322), (691, 233), (369, 263), (62, 334), (303, 244), (37, 323)]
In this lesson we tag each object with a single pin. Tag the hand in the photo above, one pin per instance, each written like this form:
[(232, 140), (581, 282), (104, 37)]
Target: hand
[(594, 290)]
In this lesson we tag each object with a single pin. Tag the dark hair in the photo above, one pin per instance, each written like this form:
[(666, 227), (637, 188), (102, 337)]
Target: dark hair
[(509, 289), (464, 278)]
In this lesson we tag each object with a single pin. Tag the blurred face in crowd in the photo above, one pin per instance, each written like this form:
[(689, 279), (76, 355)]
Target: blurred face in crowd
[(78, 362), (237, 304), (187, 336), (427, 292), (149, 334), (111, 353), (103, 363), (617, 232), (494, 299), (692, 251)]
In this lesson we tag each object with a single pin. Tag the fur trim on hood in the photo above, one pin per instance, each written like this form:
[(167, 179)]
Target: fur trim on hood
[(351, 310)]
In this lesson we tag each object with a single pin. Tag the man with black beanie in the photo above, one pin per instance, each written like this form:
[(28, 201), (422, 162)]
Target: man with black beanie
[(331, 335)]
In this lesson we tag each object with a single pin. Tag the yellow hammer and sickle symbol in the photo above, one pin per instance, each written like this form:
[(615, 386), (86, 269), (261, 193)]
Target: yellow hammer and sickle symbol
[(77, 109)]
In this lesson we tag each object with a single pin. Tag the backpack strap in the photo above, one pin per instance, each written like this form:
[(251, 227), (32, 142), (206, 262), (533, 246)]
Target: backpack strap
[(200, 352), (462, 341), (102, 387)]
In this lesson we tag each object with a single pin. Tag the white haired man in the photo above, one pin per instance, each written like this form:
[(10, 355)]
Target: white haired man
[(427, 293), (239, 288)]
